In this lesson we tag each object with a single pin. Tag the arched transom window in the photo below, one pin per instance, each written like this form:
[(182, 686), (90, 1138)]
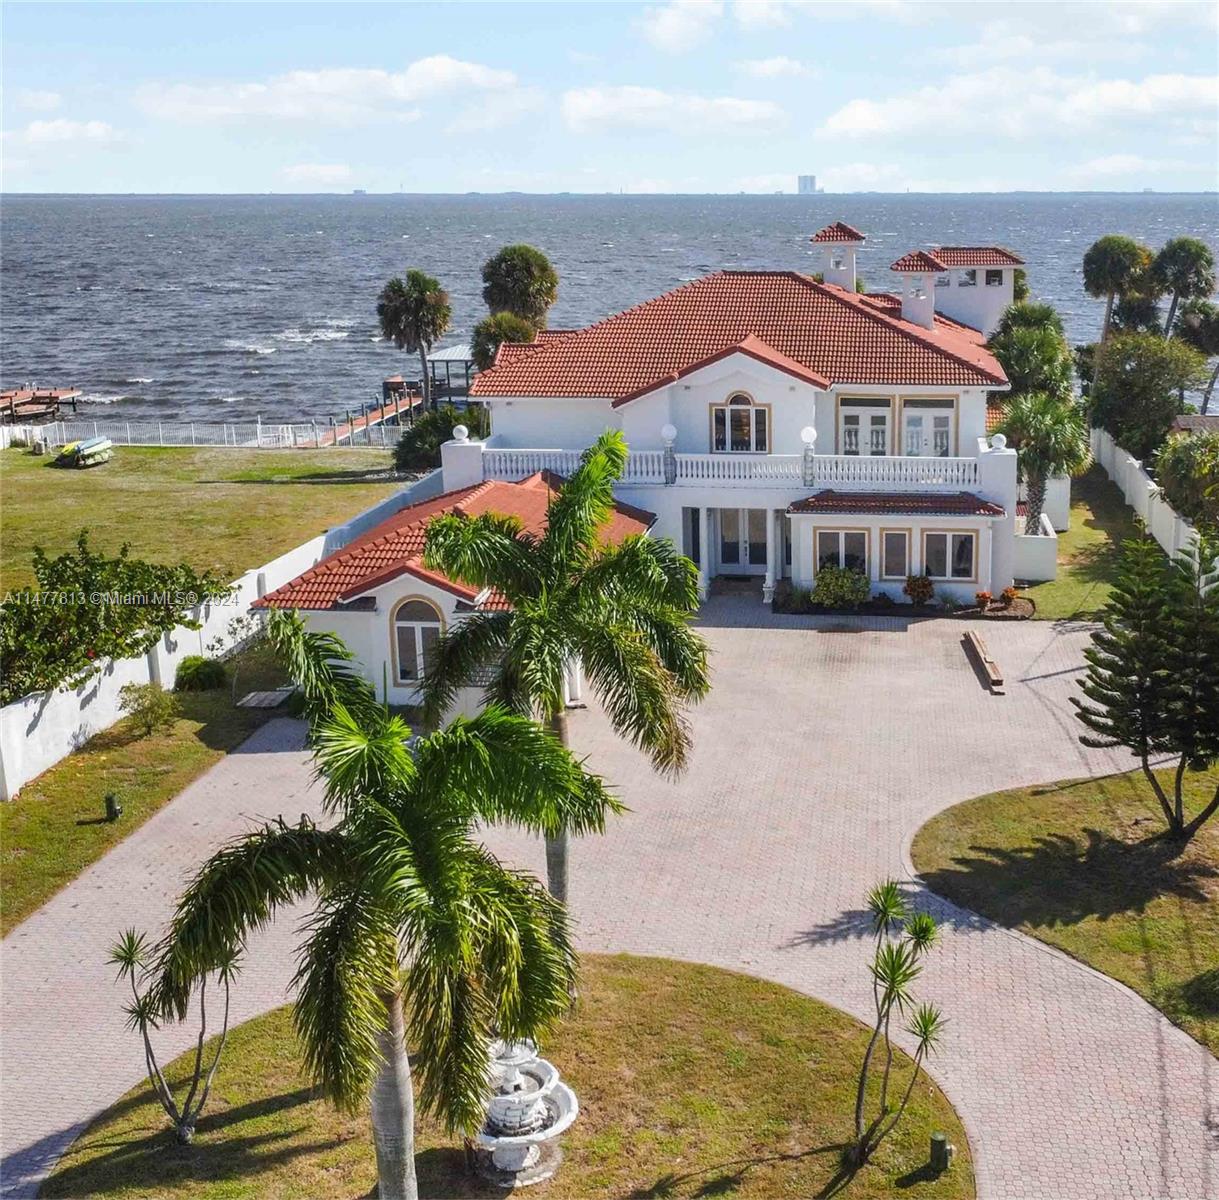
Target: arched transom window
[(417, 628), (740, 425)]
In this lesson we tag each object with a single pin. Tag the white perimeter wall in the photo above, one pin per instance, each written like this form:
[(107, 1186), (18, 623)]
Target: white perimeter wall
[(39, 730)]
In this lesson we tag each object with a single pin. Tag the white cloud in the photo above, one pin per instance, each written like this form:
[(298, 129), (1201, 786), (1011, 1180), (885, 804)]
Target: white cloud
[(681, 24), (650, 108), (61, 130), (761, 14), (1010, 102), (497, 111), (338, 95), (771, 68), (37, 101), (317, 173)]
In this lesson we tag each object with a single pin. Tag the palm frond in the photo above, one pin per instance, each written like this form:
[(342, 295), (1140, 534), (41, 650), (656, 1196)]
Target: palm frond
[(236, 890), (347, 968), (681, 649), (490, 550), (584, 503), (638, 693), (358, 758), (319, 664), (503, 767), (643, 570), (467, 646)]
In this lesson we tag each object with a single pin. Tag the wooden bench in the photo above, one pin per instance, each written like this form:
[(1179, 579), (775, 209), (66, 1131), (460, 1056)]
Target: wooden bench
[(990, 669)]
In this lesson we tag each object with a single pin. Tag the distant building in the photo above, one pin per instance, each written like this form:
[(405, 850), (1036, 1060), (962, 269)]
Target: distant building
[(807, 185)]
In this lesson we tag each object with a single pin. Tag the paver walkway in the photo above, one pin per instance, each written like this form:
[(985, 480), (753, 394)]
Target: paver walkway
[(819, 753)]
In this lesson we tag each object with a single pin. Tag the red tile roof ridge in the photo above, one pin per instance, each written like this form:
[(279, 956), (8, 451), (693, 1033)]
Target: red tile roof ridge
[(1005, 256), (838, 231), (918, 260)]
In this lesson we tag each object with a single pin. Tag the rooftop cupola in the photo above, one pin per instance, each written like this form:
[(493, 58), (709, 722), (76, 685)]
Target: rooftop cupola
[(918, 270), (838, 243)]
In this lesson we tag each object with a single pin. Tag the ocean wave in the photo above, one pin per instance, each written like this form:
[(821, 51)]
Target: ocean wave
[(248, 347), (139, 379), (98, 398), (306, 337)]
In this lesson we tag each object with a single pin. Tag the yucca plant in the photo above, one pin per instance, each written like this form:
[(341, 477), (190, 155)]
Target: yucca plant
[(901, 939), (418, 932)]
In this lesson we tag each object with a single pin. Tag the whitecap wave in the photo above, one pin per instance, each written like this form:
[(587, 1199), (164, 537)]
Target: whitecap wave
[(139, 379), (99, 398), (305, 337), (248, 347)]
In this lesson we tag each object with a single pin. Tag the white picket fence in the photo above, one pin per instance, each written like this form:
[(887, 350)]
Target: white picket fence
[(248, 435), (1142, 493), (39, 730)]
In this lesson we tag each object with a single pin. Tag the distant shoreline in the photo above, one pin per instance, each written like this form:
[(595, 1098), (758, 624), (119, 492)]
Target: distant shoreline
[(820, 196)]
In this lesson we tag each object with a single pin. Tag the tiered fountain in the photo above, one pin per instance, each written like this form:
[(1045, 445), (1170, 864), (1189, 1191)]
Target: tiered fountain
[(528, 1110)]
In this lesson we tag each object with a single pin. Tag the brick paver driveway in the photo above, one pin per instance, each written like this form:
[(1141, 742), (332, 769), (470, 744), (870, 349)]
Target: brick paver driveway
[(819, 753)]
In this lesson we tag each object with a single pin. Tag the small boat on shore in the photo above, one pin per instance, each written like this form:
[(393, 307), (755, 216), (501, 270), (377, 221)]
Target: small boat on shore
[(91, 452)]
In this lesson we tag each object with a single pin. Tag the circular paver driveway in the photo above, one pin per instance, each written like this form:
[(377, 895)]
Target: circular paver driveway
[(821, 750)]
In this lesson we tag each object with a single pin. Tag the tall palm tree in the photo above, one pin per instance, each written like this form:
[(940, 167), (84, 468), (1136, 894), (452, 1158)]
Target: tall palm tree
[(494, 330), (622, 611), (1028, 314), (520, 280), (1035, 358), (1184, 268), (1050, 436), (1112, 266), (414, 313), (418, 931), (1198, 324)]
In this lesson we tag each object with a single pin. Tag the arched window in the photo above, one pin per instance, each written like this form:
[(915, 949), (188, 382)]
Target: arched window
[(740, 425), (417, 627)]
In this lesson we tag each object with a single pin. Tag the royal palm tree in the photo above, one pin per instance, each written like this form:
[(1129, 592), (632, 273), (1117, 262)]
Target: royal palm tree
[(1050, 436), (1112, 266), (418, 933), (1198, 325), (1185, 269), (520, 280), (621, 611), (414, 313)]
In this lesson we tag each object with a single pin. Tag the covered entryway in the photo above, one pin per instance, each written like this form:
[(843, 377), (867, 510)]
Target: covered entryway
[(737, 543)]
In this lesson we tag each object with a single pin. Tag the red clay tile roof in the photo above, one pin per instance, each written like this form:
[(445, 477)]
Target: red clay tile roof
[(840, 231), (995, 412), (919, 261), (395, 546), (821, 330), (931, 504), (977, 256)]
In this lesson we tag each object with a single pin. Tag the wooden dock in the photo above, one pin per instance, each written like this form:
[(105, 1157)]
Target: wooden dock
[(33, 405), (397, 411)]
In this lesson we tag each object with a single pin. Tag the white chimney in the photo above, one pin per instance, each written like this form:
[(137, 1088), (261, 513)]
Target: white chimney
[(918, 271), (838, 243)]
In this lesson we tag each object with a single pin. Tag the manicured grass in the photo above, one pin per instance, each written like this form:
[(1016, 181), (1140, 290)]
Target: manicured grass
[(54, 829), (1083, 865), (692, 1082), (1088, 552), (221, 510)]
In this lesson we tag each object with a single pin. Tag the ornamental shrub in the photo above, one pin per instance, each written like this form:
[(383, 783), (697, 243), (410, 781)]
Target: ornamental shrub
[(840, 587), (149, 705), (1008, 594), (919, 588), (418, 448), (1187, 469), (983, 599), (199, 674)]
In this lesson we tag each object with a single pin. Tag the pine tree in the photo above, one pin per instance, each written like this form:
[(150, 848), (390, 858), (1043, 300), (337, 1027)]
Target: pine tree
[(1129, 680)]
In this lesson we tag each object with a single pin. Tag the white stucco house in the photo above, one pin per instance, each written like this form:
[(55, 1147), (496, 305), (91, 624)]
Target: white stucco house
[(776, 422)]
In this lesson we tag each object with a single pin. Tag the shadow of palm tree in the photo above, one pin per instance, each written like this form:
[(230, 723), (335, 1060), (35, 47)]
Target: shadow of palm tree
[(725, 1178), (1061, 880)]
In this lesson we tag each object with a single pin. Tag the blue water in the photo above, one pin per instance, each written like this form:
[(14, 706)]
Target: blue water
[(226, 307)]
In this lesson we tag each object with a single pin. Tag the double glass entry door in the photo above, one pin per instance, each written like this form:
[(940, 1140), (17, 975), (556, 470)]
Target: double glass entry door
[(742, 541)]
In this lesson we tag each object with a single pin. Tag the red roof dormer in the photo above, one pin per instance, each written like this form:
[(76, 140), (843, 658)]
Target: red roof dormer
[(918, 262), (840, 231)]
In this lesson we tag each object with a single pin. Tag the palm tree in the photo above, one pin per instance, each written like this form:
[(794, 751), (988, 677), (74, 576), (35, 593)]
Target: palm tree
[(1112, 265), (414, 313), (494, 330), (1035, 358), (1028, 314), (1198, 324), (621, 611), (520, 280), (1185, 268), (418, 931), (1051, 437)]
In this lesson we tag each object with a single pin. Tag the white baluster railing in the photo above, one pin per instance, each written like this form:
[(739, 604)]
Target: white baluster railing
[(755, 470), (850, 473)]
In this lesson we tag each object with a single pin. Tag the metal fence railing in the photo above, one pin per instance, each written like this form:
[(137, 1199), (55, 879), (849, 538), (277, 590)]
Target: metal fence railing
[(260, 435)]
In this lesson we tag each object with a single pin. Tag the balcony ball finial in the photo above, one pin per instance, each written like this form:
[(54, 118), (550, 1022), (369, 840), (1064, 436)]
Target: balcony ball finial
[(998, 441), (460, 433), (669, 434), (808, 435)]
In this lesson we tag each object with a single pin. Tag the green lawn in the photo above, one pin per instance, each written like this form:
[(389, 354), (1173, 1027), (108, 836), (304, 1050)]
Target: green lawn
[(1088, 552), (223, 510), (692, 1082), (53, 830), (1082, 865)]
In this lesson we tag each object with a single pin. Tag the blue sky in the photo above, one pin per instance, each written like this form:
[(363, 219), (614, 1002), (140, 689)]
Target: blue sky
[(688, 96)]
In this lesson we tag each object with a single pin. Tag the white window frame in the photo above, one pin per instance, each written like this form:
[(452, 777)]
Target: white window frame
[(997, 271), (948, 535), (397, 623), (738, 402), (968, 277)]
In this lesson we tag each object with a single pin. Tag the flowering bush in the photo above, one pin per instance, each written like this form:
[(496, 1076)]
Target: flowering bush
[(983, 599), (1008, 595), (919, 588)]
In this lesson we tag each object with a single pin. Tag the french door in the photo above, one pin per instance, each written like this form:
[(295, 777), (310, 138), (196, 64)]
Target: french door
[(743, 541), (927, 432)]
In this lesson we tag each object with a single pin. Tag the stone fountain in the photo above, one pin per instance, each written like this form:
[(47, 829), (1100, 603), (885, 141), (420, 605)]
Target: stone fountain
[(529, 1107)]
